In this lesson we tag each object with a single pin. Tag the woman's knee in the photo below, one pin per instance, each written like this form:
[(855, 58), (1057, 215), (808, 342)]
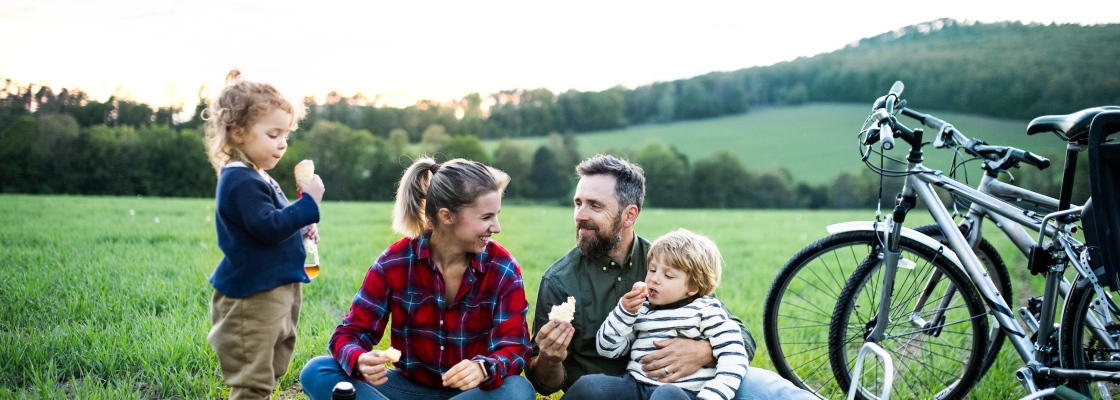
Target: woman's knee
[(319, 376)]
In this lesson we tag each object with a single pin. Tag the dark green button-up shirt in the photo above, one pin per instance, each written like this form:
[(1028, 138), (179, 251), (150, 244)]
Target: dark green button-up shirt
[(597, 283)]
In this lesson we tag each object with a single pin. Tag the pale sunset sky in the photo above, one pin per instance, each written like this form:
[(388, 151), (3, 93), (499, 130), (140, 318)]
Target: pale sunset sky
[(162, 51)]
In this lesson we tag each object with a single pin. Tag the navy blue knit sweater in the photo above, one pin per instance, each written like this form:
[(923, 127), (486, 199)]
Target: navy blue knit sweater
[(259, 233)]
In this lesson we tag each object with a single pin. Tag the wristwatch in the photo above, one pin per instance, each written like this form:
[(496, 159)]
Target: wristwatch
[(485, 365)]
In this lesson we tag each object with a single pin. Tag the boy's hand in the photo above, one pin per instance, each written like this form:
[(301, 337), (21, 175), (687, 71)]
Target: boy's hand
[(632, 300), (465, 375), (372, 366), (313, 232), (314, 188)]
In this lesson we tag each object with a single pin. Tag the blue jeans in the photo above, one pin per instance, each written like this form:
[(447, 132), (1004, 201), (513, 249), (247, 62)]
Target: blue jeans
[(761, 384), (758, 384), (625, 387), (321, 374)]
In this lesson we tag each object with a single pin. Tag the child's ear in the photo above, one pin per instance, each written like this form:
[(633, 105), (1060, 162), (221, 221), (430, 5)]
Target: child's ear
[(693, 290), (237, 134)]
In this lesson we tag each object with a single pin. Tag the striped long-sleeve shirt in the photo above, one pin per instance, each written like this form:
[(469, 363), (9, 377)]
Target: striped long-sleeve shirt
[(703, 319)]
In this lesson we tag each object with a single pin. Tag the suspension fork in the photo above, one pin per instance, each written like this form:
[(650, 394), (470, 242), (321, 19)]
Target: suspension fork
[(890, 256)]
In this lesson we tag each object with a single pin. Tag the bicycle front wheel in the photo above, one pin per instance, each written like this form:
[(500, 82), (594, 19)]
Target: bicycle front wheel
[(937, 326), (799, 305), (1089, 339)]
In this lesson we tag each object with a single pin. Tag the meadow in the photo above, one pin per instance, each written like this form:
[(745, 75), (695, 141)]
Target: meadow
[(807, 140), (107, 297)]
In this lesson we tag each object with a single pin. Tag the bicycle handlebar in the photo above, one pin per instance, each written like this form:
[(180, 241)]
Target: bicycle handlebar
[(1004, 155), (886, 136)]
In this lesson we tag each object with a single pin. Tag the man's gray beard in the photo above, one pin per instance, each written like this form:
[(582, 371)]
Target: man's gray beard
[(600, 245)]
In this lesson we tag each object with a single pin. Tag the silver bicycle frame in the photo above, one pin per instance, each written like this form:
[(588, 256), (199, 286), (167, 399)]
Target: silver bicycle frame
[(1010, 218)]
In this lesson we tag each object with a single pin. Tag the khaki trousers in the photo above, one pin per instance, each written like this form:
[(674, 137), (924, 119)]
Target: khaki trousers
[(254, 337)]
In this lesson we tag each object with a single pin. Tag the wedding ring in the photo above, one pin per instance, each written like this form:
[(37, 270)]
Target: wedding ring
[(666, 369)]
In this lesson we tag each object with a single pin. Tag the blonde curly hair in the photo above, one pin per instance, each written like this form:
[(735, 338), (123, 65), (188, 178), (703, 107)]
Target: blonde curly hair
[(241, 104)]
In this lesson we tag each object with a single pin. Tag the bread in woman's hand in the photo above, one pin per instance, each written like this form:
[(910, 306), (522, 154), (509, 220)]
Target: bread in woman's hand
[(392, 354)]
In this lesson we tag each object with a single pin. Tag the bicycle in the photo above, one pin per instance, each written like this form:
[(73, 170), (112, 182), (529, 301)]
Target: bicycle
[(797, 339), (938, 312)]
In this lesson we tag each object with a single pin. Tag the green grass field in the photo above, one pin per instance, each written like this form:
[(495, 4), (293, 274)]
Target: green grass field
[(107, 297), (815, 142)]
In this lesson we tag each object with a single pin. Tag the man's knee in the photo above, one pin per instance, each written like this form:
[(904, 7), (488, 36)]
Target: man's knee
[(759, 384)]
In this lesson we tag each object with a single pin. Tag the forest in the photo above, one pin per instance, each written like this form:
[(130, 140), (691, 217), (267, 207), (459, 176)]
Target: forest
[(60, 141)]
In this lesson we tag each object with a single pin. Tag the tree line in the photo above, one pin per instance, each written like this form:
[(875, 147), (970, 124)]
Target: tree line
[(66, 142)]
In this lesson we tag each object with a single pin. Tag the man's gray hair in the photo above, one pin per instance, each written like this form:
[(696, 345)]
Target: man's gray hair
[(630, 180)]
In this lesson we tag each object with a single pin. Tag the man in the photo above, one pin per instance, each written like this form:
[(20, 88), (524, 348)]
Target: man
[(608, 258)]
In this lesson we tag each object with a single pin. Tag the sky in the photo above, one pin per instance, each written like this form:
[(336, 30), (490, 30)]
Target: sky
[(163, 51)]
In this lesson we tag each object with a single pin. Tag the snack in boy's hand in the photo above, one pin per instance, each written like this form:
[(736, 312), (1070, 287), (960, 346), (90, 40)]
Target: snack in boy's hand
[(392, 354), (641, 287), (563, 312), (305, 172)]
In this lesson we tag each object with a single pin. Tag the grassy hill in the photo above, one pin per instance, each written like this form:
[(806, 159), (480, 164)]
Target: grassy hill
[(814, 142)]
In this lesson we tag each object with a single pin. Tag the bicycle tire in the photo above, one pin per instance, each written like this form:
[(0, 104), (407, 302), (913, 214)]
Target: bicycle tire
[(805, 364), (962, 334), (997, 270), (1078, 348)]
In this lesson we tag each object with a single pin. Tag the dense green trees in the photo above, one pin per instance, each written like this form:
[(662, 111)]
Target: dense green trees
[(65, 142)]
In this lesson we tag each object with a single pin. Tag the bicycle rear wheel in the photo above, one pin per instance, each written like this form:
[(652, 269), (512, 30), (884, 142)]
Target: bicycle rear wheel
[(935, 357), (1083, 341), (800, 301)]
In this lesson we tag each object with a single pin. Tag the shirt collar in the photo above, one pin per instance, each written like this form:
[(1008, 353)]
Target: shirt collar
[(635, 250), (424, 251)]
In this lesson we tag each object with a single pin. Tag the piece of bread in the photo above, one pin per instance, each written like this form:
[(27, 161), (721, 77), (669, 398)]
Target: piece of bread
[(563, 312), (641, 286), (305, 172), (392, 354)]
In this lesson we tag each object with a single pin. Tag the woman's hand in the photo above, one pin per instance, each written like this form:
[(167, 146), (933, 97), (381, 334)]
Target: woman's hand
[(372, 367), (465, 375), (632, 300)]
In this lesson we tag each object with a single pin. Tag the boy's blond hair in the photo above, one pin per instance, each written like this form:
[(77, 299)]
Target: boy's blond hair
[(694, 255)]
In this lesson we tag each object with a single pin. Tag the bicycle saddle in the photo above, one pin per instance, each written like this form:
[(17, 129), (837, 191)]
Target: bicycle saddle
[(1075, 126)]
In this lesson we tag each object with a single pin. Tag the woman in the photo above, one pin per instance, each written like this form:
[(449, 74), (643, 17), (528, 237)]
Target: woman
[(455, 298)]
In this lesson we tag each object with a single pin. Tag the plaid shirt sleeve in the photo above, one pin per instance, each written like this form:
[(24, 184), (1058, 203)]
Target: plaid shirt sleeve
[(509, 339), (366, 321)]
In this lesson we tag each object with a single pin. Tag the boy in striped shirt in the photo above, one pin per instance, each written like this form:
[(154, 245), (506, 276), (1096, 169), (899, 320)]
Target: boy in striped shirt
[(684, 271)]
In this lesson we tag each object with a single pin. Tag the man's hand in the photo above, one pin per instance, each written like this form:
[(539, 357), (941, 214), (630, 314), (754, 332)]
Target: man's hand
[(552, 345), (464, 376), (677, 358), (632, 300), (372, 366), (553, 341)]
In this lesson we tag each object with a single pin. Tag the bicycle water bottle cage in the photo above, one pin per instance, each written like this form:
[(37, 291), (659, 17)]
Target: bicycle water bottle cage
[(1072, 127), (1041, 259)]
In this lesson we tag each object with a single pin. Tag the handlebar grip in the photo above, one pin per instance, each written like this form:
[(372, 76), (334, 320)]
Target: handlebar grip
[(886, 137), (896, 89), (1030, 158)]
